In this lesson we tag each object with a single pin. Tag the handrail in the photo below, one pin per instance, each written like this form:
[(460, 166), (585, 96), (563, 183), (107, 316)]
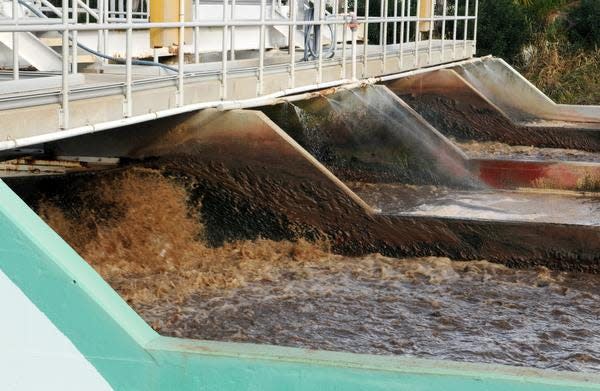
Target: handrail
[(109, 18)]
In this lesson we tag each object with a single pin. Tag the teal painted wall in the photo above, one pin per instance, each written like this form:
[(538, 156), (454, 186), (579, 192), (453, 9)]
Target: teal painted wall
[(131, 356)]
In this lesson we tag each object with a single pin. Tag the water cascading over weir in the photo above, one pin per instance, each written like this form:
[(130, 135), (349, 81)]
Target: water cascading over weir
[(402, 145)]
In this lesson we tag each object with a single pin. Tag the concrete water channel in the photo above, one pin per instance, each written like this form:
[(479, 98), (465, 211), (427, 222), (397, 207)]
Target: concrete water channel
[(458, 205)]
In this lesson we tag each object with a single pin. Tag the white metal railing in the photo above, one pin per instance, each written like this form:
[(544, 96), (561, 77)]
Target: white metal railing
[(393, 30)]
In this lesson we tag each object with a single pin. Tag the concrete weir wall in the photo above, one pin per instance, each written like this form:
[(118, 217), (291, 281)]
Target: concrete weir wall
[(518, 98), (62, 315)]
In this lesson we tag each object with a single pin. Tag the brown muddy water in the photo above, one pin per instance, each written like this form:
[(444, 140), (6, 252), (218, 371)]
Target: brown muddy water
[(497, 150), (142, 233)]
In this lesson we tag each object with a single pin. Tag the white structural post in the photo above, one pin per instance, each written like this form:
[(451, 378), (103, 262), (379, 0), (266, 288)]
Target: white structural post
[(455, 27), (418, 32), (354, 48), (475, 28), (100, 20), (444, 12), (395, 27), (181, 53), (106, 31), (196, 14), (15, 40), (129, 62), (261, 47), (65, 66), (384, 32), (431, 22), (401, 51), (232, 32), (466, 28), (292, 42), (224, 53), (365, 40), (320, 40), (74, 37), (344, 39)]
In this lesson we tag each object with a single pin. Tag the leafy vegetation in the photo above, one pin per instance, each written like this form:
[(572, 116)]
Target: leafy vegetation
[(554, 43)]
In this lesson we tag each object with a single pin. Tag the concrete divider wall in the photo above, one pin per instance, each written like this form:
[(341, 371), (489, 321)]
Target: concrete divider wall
[(519, 99), (369, 135)]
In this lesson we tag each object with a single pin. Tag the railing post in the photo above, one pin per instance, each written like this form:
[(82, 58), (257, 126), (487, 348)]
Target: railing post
[(106, 32), (444, 11), (344, 28), (366, 40), (129, 62), (395, 27), (100, 20), (401, 51), (74, 37), (320, 50), (292, 43), (64, 113), (354, 48), (224, 53), (196, 32), (232, 33), (418, 32), (475, 28), (384, 32), (455, 27), (15, 40), (431, 26), (180, 52), (466, 28), (261, 48)]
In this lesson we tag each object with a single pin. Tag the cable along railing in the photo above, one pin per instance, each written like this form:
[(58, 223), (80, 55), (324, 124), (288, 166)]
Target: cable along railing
[(346, 32)]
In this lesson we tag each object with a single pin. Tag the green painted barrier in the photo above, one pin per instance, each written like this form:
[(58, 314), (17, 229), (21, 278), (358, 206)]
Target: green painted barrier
[(129, 355)]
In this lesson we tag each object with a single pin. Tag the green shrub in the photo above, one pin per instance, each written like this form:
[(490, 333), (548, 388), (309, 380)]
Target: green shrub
[(586, 23), (503, 28)]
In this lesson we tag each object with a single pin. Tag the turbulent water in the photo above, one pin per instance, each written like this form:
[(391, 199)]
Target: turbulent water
[(140, 232), (533, 206), (432, 308)]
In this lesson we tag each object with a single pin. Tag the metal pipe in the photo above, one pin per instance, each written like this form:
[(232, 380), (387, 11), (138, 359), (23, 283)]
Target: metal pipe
[(224, 54), (129, 64), (64, 113), (15, 40), (401, 51), (395, 28), (475, 27), (180, 55), (53, 26), (418, 32), (408, 14), (455, 26), (444, 11), (384, 34), (74, 59), (196, 33), (365, 39), (431, 22), (232, 32), (320, 49), (354, 47), (261, 47), (292, 43), (344, 43), (466, 28)]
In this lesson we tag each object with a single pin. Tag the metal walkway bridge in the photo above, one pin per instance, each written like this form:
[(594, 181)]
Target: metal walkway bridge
[(80, 67)]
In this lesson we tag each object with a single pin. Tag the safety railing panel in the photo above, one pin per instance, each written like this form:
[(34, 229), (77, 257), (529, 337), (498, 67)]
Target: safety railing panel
[(346, 32)]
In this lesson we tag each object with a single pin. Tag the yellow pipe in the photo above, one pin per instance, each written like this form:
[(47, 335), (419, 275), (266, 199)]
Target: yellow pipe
[(168, 11), (425, 12)]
